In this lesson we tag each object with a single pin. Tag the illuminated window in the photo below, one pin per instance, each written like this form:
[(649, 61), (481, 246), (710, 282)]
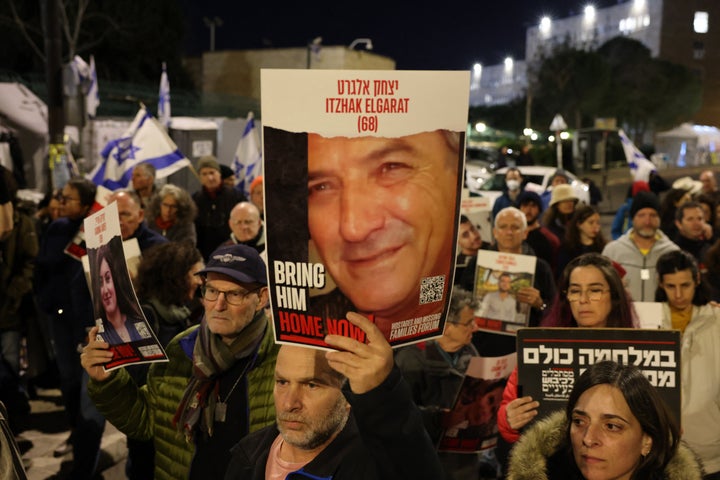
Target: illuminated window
[(700, 24)]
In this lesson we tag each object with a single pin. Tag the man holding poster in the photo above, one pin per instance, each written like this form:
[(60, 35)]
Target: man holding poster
[(363, 174)]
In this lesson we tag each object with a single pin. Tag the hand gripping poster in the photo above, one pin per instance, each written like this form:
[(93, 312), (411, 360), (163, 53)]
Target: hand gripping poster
[(363, 173), (118, 315)]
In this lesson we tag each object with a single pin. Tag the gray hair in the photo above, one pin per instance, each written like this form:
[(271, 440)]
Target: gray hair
[(515, 212), (460, 299)]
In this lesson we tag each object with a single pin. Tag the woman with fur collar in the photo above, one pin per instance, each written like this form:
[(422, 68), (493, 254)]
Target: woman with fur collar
[(615, 427)]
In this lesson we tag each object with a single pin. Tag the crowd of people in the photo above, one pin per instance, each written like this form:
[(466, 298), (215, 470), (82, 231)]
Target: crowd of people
[(664, 248), (230, 403)]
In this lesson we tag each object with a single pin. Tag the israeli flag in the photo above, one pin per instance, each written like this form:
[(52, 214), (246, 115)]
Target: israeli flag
[(164, 99), (92, 99), (640, 166), (247, 163), (145, 141)]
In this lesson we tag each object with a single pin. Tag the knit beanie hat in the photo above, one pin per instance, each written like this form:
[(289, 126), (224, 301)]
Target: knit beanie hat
[(527, 196), (208, 161), (644, 200)]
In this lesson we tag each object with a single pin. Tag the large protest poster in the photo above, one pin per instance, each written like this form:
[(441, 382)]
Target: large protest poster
[(498, 277), (363, 174), (550, 359), (473, 419), (118, 315)]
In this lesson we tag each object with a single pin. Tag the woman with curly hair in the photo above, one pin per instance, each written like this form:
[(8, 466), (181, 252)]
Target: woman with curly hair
[(172, 214), (166, 286), (583, 235)]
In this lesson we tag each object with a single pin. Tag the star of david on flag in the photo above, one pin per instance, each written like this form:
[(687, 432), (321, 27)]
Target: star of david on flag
[(145, 141)]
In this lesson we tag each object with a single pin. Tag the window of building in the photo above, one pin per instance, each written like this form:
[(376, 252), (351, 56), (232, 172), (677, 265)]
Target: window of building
[(700, 24), (698, 50)]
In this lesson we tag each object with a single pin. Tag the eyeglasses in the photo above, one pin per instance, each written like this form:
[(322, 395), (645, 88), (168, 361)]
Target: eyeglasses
[(233, 297), (593, 294), (469, 323), (64, 199), (170, 206)]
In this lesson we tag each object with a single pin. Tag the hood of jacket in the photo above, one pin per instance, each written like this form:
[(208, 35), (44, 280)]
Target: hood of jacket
[(529, 457)]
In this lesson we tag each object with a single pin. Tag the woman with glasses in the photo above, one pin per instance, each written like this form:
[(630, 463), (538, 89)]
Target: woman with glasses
[(62, 294), (172, 213), (590, 295)]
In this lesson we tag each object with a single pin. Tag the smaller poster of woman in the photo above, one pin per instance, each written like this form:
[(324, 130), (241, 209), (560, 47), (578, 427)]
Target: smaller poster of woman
[(117, 311)]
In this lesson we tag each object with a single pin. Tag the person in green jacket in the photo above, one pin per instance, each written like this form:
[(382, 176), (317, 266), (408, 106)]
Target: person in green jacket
[(217, 385)]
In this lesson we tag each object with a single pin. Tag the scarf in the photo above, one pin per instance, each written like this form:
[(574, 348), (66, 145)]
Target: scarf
[(211, 358), (162, 224)]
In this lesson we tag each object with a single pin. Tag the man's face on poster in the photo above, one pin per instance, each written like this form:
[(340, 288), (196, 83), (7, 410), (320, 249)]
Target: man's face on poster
[(381, 212), (504, 283)]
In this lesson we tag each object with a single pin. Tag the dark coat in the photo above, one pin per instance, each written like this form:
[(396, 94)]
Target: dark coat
[(384, 439)]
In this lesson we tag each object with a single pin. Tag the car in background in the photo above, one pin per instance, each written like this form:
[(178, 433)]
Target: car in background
[(479, 165), (535, 179)]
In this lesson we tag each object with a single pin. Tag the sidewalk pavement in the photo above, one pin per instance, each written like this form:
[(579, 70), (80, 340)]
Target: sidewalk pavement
[(48, 428)]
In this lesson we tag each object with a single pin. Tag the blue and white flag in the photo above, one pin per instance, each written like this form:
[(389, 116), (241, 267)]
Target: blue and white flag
[(164, 99), (145, 141), (247, 163), (92, 99), (640, 166), (80, 75)]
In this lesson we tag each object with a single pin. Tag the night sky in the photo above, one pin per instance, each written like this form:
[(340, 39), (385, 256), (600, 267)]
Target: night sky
[(450, 35)]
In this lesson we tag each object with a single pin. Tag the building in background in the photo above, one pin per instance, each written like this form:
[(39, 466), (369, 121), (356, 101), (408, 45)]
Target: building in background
[(685, 32), (237, 72)]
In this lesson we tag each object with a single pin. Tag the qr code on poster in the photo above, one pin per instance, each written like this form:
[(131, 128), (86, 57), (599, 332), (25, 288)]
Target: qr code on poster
[(431, 289)]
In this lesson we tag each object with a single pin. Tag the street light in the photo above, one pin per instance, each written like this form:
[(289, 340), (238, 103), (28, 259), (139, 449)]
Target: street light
[(366, 41), (589, 13), (545, 25), (211, 23)]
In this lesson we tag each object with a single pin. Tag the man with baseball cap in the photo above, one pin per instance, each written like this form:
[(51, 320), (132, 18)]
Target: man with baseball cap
[(217, 385), (639, 249)]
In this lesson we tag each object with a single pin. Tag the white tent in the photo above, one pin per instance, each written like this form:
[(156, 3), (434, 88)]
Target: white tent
[(689, 145), (26, 116)]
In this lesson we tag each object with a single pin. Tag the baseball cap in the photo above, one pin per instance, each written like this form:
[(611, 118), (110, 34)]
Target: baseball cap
[(239, 262)]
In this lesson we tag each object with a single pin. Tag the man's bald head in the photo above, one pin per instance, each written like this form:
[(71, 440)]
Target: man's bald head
[(245, 221)]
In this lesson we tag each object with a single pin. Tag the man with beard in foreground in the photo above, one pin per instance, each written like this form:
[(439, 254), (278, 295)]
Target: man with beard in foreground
[(367, 427)]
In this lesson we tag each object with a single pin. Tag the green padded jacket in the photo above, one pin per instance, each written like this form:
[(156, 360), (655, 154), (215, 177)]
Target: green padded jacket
[(147, 412)]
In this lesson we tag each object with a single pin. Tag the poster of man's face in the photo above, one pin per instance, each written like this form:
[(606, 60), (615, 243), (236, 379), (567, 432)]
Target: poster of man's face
[(362, 176), (381, 212)]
